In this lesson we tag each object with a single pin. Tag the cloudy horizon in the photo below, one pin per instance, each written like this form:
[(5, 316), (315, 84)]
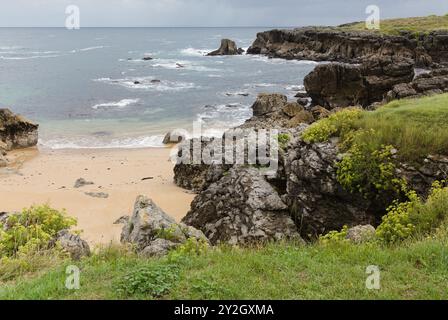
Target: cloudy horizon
[(207, 13)]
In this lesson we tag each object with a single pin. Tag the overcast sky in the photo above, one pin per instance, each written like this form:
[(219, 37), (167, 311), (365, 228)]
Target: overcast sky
[(135, 13)]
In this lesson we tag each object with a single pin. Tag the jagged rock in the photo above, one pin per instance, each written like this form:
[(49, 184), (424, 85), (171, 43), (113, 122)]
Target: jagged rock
[(302, 94), (318, 202), (241, 208), (292, 109), (122, 220), (268, 103), (149, 223), (194, 174), (332, 44), (301, 117), (320, 112), (361, 234), (175, 136), (228, 47), (342, 85), (81, 182), (71, 243), (435, 81), (16, 131), (159, 248)]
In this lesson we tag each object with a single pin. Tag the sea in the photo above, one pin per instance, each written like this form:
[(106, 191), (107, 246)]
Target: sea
[(91, 88)]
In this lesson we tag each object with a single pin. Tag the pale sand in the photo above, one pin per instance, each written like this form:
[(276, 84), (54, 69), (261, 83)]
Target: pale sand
[(47, 176)]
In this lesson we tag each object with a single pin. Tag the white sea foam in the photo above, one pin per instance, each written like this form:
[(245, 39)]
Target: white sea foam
[(28, 57), (117, 104), (193, 52), (225, 115), (149, 83), (155, 141), (88, 49)]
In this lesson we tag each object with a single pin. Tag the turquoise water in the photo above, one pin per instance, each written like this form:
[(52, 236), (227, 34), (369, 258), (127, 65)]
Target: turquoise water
[(91, 88)]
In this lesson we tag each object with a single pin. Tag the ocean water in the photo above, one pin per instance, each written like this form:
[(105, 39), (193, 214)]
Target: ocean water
[(90, 88)]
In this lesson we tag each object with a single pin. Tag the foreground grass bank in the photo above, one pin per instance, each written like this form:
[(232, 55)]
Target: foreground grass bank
[(414, 270)]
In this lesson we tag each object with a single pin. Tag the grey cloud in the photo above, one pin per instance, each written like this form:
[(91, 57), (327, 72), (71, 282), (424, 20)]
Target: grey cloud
[(208, 12)]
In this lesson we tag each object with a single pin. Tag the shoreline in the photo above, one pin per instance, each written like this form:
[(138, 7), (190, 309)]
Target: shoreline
[(38, 176)]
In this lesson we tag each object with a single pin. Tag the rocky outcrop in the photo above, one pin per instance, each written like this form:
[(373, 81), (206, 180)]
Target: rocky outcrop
[(227, 48), (72, 244), (153, 232), (433, 82), (16, 131), (342, 85), (332, 44), (273, 111), (241, 208), (191, 173)]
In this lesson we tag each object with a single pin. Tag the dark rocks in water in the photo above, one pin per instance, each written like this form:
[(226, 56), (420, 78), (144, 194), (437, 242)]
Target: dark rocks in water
[(341, 85), (137, 82), (155, 81), (302, 94), (228, 47), (241, 208), (16, 132), (179, 66), (331, 44), (435, 81), (147, 58), (81, 182), (153, 232), (101, 195)]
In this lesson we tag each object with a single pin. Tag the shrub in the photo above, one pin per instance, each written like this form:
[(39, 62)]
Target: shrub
[(153, 281), (337, 124), (368, 170), (283, 140), (415, 217), (190, 247), (335, 236), (31, 230)]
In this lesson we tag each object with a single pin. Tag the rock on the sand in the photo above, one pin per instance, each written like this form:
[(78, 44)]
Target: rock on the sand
[(81, 182), (101, 195)]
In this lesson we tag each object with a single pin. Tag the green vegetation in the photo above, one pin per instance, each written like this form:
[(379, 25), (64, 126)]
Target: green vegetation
[(283, 140), (31, 230), (416, 25), (406, 130), (413, 270)]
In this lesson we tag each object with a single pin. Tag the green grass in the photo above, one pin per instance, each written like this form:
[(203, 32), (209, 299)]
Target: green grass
[(416, 127), (277, 271), (416, 25)]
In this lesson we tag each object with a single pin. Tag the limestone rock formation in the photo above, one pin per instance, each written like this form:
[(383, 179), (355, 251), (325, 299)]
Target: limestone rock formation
[(332, 44), (342, 85), (241, 208), (153, 232), (16, 131), (71, 243), (435, 81), (228, 47)]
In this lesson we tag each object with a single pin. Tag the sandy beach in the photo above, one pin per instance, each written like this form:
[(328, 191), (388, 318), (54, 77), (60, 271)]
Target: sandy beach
[(48, 176)]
